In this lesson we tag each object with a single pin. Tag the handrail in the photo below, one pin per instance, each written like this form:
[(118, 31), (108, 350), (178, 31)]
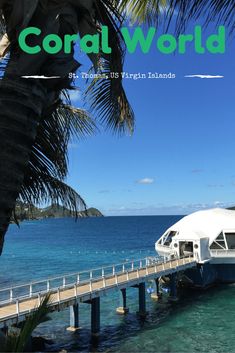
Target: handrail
[(67, 275), (123, 268), (222, 252)]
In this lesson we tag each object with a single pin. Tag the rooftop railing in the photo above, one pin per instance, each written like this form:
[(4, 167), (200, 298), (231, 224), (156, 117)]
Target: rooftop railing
[(223, 253)]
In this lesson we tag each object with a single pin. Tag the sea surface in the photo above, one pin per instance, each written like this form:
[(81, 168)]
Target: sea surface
[(199, 322)]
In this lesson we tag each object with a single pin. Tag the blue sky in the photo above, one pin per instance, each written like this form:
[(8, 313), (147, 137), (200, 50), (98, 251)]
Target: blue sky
[(181, 157)]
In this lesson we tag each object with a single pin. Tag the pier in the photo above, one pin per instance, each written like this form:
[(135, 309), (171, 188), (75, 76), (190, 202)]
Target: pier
[(16, 303)]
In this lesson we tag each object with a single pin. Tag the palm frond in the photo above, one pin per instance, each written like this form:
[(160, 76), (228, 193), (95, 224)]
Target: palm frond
[(106, 96), (50, 149), (220, 12), (18, 342), (2, 25), (144, 11), (48, 166), (41, 188)]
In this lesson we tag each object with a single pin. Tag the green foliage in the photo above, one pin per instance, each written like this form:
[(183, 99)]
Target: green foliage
[(217, 12), (24, 211), (48, 166), (144, 11), (18, 342)]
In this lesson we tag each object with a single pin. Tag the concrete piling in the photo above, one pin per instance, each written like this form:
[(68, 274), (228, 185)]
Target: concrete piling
[(142, 300), (173, 287), (156, 295), (74, 318), (122, 310), (95, 316)]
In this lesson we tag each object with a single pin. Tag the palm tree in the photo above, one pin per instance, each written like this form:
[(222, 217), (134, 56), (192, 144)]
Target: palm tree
[(35, 122), (35, 125)]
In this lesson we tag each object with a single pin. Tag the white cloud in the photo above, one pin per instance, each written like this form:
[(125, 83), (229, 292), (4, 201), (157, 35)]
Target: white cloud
[(197, 171), (73, 145), (161, 209), (75, 95), (146, 181), (215, 185), (104, 191)]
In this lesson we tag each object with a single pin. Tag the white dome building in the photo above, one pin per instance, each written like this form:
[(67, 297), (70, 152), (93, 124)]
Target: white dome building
[(207, 235)]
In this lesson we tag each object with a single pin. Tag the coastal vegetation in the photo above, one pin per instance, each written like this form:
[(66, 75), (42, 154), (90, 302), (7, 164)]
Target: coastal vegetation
[(20, 339), (25, 212)]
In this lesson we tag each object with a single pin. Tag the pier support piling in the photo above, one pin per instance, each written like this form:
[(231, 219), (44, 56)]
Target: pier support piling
[(4, 331), (157, 295), (95, 316), (74, 318), (173, 287), (142, 300), (122, 310)]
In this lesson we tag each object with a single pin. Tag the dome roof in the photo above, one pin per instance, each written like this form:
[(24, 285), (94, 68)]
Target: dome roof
[(207, 223)]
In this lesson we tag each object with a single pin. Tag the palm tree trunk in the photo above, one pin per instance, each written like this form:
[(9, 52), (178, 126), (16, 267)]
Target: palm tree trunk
[(21, 105)]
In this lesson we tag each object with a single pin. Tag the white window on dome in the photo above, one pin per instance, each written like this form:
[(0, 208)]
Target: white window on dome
[(168, 238), (219, 243), (230, 238)]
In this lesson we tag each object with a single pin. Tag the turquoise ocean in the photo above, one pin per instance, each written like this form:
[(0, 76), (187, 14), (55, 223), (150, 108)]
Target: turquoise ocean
[(202, 321)]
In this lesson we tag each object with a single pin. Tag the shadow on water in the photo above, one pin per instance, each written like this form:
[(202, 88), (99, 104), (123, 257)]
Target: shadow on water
[(160, 314)]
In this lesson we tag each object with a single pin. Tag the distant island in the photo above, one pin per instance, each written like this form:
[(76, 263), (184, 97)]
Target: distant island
[(30, 212)]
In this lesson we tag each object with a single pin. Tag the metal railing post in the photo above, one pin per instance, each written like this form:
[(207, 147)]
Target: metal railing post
[(11, 294), (58, 295), (75, 290), (39, 299), (17, 307)]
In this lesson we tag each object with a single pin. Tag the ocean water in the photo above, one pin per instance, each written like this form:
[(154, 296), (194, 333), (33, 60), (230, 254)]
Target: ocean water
[(199, 322)]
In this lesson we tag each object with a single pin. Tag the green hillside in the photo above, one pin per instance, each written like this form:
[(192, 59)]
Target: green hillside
[(31, 212)]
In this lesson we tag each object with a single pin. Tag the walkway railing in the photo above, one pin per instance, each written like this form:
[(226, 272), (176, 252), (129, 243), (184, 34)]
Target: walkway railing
[(59, 283), (8, 295)]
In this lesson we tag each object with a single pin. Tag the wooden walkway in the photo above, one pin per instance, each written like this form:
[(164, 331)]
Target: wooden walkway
[(14, 309)]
